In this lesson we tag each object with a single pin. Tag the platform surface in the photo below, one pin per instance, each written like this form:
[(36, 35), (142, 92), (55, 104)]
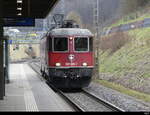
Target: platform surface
[(27, 92)]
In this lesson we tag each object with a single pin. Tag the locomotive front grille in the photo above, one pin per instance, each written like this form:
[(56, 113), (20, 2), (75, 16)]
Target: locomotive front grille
[(71, 73)]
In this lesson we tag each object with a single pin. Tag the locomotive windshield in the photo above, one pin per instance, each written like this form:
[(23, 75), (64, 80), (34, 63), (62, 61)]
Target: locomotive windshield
[(81, 44), (60, 44)]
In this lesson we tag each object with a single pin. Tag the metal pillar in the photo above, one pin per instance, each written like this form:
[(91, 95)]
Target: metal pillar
[(2, 78), (6, 72)]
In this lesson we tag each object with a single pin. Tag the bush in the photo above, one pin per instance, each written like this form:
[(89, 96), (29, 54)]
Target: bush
[(114, 41)]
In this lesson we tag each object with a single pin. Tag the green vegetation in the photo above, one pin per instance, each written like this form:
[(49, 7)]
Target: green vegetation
[(138, 95), (129, 19), (140, 34), (125, 59), (137, 15)]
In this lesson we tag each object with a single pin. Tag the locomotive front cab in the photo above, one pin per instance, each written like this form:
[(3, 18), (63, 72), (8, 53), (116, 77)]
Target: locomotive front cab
[(71, 59)]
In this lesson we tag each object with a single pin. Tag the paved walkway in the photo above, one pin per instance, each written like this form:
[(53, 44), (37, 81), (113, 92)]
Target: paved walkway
[(27, 92)]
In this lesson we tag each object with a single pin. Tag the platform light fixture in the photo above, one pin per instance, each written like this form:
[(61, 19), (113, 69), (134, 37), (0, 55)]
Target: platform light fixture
[(19, 14), (19, 1), (19, 8)]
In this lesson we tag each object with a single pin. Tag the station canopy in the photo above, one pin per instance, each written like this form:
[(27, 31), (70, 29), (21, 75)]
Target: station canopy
[(27, 8)]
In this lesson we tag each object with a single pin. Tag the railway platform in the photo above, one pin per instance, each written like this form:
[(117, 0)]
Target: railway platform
[(28, 92)]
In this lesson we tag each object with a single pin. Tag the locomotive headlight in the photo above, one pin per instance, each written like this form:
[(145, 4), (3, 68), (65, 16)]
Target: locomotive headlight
[(84, 64), (71, 38), (58, 64)]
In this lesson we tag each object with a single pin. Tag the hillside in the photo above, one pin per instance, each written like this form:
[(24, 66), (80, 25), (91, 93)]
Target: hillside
[(137, 15), (125, 57)]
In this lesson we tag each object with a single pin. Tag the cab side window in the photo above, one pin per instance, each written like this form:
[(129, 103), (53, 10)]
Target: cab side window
[(91, 43), (49, 43)]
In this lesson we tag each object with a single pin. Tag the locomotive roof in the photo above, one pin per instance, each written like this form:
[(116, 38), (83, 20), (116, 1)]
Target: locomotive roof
[(71, 32)]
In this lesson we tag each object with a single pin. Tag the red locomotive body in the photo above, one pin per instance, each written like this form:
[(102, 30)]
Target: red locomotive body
[(67, 57)]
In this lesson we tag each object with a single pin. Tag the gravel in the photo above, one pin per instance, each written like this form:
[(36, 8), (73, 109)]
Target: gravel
[(86, 103), (122, 101)]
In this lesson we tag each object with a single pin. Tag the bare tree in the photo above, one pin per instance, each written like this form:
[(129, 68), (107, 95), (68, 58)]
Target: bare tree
[(132, 5)]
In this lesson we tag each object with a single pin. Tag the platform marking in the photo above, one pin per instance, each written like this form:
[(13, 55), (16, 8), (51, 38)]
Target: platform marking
[(28, 94)]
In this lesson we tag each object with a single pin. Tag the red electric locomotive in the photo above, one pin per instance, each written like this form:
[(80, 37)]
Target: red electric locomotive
[(67, 57)]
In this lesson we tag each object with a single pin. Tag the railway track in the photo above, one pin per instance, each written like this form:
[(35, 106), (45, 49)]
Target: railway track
[(103, 102), (94, 103), (83, 101), (74, 105), (86, 101)]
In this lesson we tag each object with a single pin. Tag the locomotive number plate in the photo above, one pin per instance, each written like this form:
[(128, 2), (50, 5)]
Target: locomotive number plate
[(71, 64)]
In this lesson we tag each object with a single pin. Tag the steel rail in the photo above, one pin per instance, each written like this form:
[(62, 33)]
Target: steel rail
[(102, 101), (74, 105)]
